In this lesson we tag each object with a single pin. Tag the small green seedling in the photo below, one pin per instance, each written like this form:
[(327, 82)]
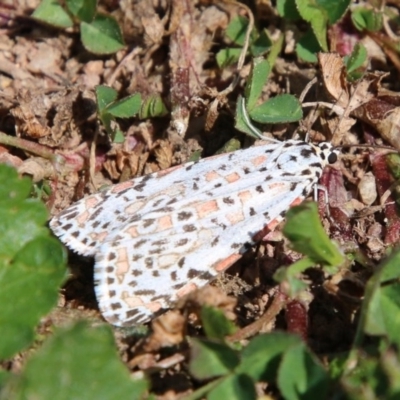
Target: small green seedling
[(109, 108), (319, 15), (259, 44), (307, 236), (280, 109), (100, 33)]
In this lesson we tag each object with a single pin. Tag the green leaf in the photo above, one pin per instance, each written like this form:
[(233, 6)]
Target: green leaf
[(236, 30), (226, 57), (215, 324), (119, 137), (29, 287), (287, 9), (84, 10), (317, 16), (102, 36), (390, 309), (21, 222), (234, 387), (106, 119), (275, 50), (126, 107), (380, 313), (261, 357), (355, 60), (335, 10), (294, 286), (51, 12), (368, 379), (256, 81), (300, 376), (12, 188), (32, 264), (393, 162), (78, 362), (153, 106), (281, 109), (231, 145), (105, 95), (261, 45), (210, 359), (304, 230), (308, 47), (367, 19)]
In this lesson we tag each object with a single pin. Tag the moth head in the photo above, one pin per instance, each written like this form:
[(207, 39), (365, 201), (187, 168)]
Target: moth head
[(327, 152)]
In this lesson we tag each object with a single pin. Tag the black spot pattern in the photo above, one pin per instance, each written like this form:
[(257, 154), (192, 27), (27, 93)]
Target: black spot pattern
[(189, 228), (148, 222), (183, 216), (259, 189), (144, 292), (228, 200), (139, 243), (181, 262), (192, 273)]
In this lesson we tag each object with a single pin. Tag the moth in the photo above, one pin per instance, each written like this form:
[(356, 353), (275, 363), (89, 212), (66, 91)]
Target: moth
[(157, 237)]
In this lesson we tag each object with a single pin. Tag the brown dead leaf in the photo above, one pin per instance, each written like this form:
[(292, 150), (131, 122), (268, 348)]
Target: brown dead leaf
[(168, 330), (38, 168), (334, 76), (367, 189), (384, 181), (50, 117), (210, 296), (7, 158), (383, 113), (163, 153)]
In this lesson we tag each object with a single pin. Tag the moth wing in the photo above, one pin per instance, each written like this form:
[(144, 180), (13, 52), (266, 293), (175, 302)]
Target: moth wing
[(84, 225), (154, 260)]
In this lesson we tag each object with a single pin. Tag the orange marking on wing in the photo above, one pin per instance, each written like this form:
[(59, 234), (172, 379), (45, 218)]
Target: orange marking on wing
[(82, 218), (276, 185), (167, 171), (99, 237), (164, 223), (296, 202), (132, 232), (244, 196), (203, 209), (131, 301), (256, 161), (273, 224), (183, 291), (232, 177), (210, 176), (121, 186), (91, 202), (122, 263), (136, 301), (236, 217), (226, 263), (154, 306), (134, 207), (166, 260)]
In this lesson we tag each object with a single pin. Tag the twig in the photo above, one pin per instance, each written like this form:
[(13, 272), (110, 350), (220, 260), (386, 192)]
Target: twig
[(277, 305), (28, 146)]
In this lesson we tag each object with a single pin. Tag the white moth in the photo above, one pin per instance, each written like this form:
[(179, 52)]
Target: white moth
[(156, 238)]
